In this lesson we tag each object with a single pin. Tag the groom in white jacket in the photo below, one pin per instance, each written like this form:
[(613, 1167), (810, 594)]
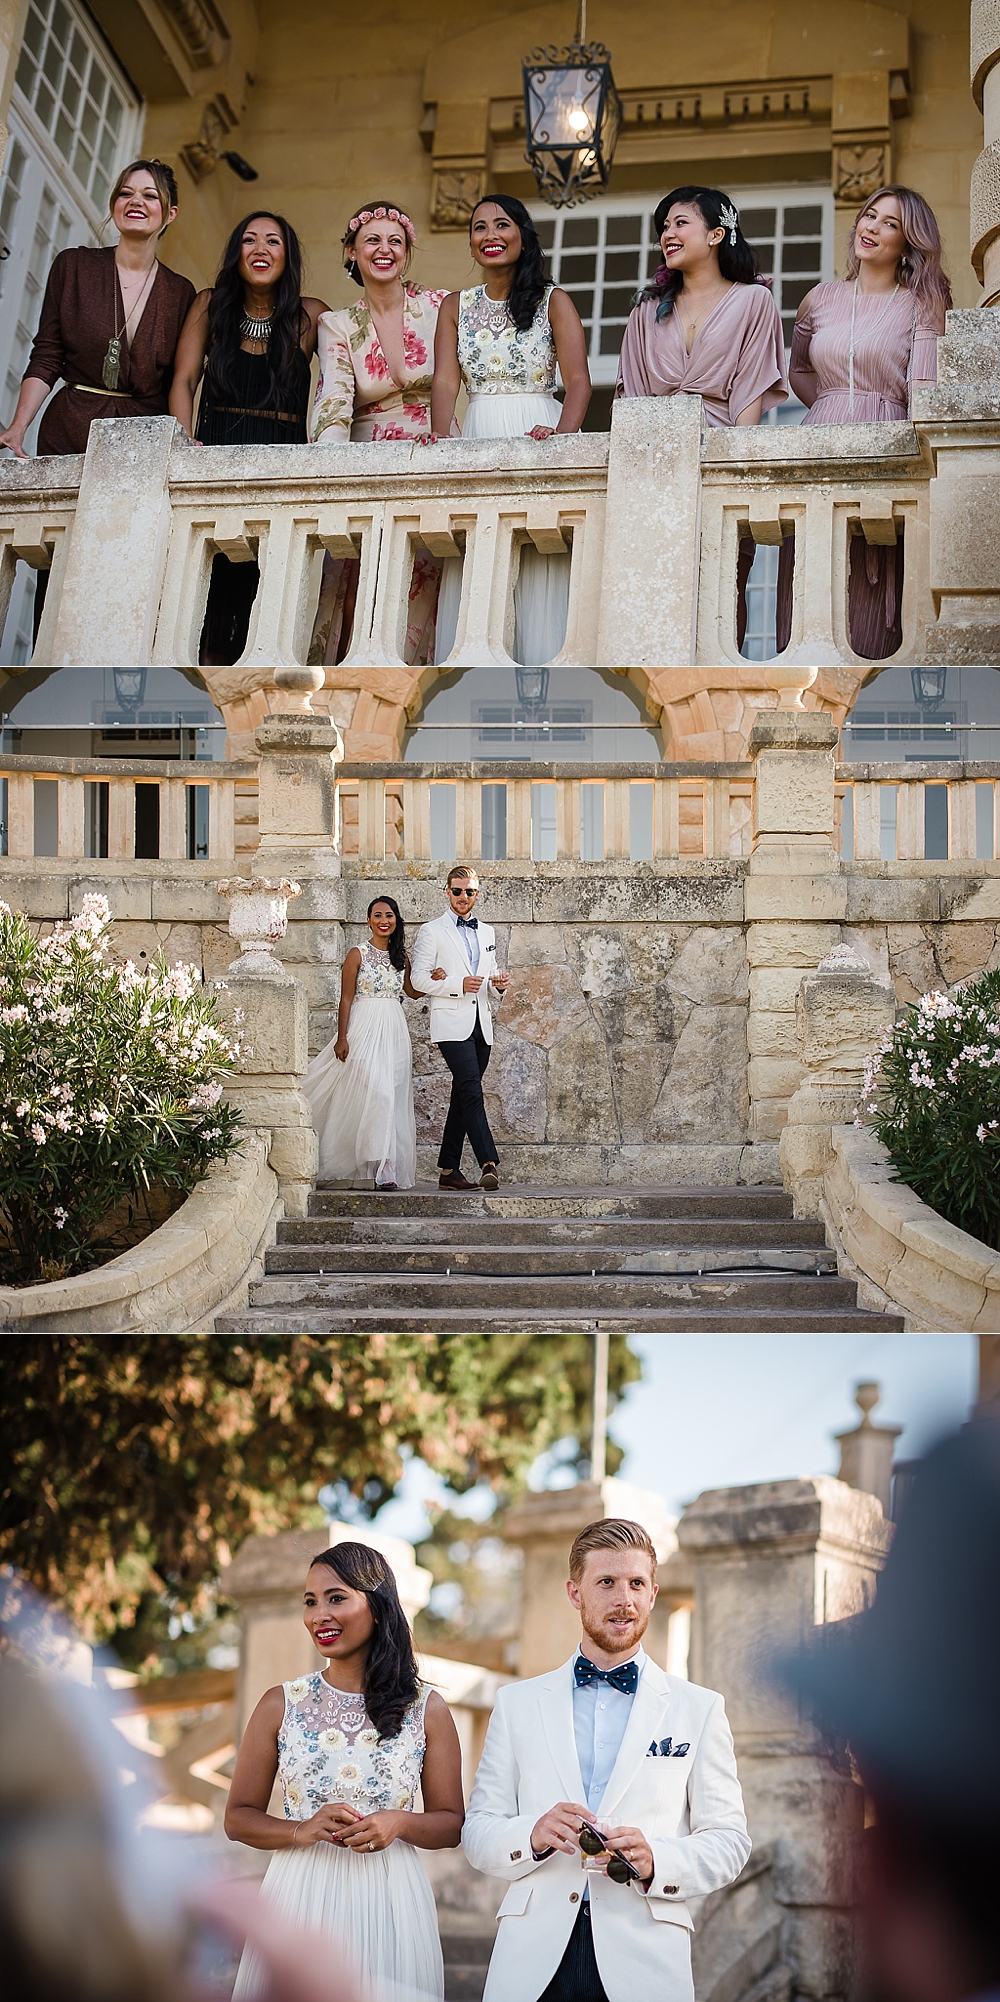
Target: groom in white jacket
[(454, 961), (608, 1739)]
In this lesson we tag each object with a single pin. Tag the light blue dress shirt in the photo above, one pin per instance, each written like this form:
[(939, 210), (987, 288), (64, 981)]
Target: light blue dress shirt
[(469, 940), (600, 1717)]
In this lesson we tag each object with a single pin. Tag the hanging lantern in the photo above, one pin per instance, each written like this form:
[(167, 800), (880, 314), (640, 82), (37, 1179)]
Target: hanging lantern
[(532, 686), (130, 687), (572, 116), (928, 686)]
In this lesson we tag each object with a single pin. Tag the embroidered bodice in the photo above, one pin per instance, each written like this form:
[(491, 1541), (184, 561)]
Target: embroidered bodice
[(377, 977), (497, 360), (329, 1750)]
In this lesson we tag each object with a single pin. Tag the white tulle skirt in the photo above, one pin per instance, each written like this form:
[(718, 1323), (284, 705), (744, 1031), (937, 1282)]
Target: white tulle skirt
[(362, 1109), (377, 1912), (541, 594)]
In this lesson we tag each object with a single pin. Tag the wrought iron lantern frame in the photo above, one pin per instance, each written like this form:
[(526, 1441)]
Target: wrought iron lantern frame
[(572, 118)]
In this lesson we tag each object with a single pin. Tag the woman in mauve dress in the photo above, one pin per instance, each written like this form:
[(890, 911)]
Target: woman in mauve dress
[(707, 326), (375, 365), (859, 345)]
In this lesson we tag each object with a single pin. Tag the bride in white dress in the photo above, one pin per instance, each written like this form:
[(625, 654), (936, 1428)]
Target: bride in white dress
[(360, 1087), (352, 1744), (504, 340)]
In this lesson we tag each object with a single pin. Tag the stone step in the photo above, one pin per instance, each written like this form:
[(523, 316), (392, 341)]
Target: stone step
[(656, 1204), (466, 1959), (756, 1233), (620, 1292), (684, 1319), (516, 1259)]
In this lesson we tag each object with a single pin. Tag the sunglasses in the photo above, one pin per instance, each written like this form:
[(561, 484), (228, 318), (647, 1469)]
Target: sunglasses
[(592, 1842), (464, 893)]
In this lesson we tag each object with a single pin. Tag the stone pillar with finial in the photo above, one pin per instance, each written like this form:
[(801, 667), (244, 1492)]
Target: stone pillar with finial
[(841, 1011), (866, 1450)]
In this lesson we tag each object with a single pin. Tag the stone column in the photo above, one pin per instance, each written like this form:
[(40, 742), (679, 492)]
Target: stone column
[(841, 1011), (114, 569), (545, 1525), (796, 899), (649, 584), (269, 1011), (299, 754), (984, 193), (866, 1450), (770, 1562)]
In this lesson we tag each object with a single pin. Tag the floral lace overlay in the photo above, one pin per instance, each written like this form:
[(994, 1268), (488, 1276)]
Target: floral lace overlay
[(496, 359), (329, 1750), (377, 976)]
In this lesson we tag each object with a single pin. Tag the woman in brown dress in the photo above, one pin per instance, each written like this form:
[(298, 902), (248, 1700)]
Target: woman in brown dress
[(860, 343), (110, 323)]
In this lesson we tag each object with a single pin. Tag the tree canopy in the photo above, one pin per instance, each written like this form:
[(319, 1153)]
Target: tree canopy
[(133, 1465)]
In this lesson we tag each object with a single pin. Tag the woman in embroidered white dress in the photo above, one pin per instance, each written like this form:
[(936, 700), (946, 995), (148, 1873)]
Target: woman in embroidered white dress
[(504, 339), (376, 360), (360, 1087), (352, 1744)]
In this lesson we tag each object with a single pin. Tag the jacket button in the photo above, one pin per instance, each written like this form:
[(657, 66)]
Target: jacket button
[(574, 1897), (670, 1890)]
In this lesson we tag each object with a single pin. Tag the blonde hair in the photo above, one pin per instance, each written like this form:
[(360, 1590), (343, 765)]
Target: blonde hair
[(166, 186), (919, 268), (613, 1533)]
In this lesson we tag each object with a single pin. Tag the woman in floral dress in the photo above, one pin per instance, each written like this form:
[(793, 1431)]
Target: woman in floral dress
[(376, 360), (352, 1744)]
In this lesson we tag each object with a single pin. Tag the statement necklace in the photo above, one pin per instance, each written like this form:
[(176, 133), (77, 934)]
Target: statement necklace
[(256, 330), (112, 360)]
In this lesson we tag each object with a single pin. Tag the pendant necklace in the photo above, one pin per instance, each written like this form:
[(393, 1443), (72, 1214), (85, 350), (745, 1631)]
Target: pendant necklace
[(112, 360), (693, 325), (256, 330), (877, 322)]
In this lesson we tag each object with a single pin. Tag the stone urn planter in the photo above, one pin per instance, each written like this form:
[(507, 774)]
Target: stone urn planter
[(258, 917)]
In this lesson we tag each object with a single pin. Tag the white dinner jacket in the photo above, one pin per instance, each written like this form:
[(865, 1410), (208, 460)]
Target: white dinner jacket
[(685, 1796), (453, 1013)]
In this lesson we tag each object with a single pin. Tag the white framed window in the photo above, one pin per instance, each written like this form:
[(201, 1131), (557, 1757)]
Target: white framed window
[(74, 124), (603, 253)]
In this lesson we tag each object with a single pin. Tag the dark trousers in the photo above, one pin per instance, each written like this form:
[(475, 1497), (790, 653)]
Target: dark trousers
[(576, 1978), (467, 1114)]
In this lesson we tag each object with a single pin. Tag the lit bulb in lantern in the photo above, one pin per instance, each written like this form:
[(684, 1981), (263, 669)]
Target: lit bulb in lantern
[(577, 119)]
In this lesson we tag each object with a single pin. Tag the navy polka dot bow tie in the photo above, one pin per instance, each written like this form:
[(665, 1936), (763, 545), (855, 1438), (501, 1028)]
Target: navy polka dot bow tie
[(471, 924), (625, 1677)]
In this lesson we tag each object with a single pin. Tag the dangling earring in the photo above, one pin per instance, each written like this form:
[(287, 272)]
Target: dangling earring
[(351, 268)]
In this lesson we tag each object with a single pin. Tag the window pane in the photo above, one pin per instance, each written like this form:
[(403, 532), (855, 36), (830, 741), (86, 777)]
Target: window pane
[(113, 112), (611, 340), (803, 222), (579, 229), (34, 32), (100, 188), (794, 290), (758, 222), (578, 270), (584, 303), (61, 23), (106, 151), (45, 104), (765, 256), (63, 135), (800, 257), (89, 123), (622, 264), (25, 78), (624, 229), (618, 300), (546, 232), (53, 63), (78, 54), (71, 96)]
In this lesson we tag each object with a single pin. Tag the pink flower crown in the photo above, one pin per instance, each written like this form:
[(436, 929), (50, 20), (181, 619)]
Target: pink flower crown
[(378, 215)]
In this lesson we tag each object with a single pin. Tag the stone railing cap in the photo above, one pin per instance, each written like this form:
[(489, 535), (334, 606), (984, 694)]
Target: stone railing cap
[(792, 730), (776, 1512)]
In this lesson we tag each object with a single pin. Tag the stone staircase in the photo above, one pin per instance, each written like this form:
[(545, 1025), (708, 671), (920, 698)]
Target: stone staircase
[(645, 1259)]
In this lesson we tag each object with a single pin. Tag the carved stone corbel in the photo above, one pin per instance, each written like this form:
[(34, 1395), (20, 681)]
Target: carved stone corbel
[(860, 165), (456, 187)]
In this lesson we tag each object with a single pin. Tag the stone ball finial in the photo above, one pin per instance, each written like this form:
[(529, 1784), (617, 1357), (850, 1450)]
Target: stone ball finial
[(789, 679), (866, 1396), (296, 685)]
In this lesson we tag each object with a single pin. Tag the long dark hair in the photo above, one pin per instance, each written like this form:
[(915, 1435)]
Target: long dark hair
[(530, 278), (396, 947), (227, 306), (391, 1679), (737, 261)]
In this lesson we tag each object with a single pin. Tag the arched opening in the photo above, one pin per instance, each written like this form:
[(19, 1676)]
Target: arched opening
[(578, 715)]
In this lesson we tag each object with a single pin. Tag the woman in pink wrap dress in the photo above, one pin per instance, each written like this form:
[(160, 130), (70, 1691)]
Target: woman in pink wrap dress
[(859, 346), (707, 326)]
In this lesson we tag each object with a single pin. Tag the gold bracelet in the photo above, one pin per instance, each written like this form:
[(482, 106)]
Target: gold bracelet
[(295, 1837)]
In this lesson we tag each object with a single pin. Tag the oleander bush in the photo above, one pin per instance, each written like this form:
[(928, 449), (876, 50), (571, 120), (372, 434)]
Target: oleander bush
[(931, 1093), (111, 1081)]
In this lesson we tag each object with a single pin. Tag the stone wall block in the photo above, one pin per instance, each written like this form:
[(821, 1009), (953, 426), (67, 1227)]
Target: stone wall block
[(121, 531), (649, 581), (841, 1012)]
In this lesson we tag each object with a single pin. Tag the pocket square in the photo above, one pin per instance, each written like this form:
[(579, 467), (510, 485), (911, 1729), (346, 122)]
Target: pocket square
[(661, 1750), (680, 1751)]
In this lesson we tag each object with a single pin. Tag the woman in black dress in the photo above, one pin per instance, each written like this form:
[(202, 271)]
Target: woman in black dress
[(249, 342)]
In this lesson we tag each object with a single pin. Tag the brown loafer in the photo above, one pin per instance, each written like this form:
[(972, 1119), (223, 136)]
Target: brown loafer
[(490, 1177), (453, 1178)]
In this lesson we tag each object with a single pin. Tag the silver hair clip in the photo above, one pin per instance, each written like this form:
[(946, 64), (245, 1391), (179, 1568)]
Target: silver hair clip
[(729, 218)]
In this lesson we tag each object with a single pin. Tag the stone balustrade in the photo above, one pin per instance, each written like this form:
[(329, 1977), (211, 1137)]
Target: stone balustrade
[(121, 808), (544, 812), (917, 812), (651, 516)]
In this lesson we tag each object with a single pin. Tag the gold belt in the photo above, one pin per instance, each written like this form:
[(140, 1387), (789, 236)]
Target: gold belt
[(85, 389), (234, 410)]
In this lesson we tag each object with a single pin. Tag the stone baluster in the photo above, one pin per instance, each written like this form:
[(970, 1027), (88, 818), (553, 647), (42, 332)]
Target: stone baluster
[(274, 1029), (840, 1013)]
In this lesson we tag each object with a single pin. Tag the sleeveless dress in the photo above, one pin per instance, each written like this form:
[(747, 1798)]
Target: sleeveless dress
[(362, 1109), (510, 378), (377, 1909), (243, 420)]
